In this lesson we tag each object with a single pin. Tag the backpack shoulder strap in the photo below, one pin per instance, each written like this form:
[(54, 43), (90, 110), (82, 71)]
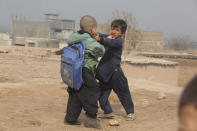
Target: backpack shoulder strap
[(84, 45)]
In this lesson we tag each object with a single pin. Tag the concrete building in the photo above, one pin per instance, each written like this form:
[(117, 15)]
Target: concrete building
[(150, 40), (103, 28), (42, 34), (5, 39)]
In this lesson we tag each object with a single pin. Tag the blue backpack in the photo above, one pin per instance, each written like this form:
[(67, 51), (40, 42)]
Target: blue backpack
[(71, 65)]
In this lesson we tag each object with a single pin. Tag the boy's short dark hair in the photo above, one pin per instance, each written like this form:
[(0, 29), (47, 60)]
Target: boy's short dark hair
[(189, 95), (119, 22)]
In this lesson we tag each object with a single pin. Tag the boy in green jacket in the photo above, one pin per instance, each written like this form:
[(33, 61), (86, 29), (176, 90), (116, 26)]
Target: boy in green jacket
[(89, 93)]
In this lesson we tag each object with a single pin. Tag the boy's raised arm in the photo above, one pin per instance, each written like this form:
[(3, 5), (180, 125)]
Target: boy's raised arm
[(114, 43)]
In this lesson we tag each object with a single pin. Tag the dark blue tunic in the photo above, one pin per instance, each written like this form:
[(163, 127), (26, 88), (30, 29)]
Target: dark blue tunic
[(111, 59)]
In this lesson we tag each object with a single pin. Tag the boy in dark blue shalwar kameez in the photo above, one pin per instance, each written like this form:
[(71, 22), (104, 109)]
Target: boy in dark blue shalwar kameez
[(109, 71)]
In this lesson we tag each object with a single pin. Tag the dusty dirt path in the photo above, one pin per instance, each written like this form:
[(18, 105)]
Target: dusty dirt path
[(32, 98)]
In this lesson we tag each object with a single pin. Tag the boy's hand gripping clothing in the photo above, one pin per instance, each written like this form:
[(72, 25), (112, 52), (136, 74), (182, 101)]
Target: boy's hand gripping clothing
[(93, 50)]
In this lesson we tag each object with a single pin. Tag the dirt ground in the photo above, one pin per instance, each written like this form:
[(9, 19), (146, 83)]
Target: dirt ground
[(188, 69), (33, 98)]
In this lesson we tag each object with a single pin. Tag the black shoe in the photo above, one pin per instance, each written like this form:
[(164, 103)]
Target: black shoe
[(77, 122), (92, 123)]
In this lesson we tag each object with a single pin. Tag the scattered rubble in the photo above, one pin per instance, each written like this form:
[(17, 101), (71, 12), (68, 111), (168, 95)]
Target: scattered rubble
[(161, 96), (114, 123)]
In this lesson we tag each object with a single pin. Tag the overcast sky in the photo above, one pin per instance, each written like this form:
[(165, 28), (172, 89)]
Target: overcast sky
[(173, 17)]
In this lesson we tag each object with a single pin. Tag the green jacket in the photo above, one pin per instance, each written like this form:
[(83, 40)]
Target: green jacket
[(93, 49)]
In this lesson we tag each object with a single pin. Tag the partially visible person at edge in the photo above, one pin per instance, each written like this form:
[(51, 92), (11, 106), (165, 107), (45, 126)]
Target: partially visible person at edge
[(187, 110), (88, 95), (109, 71)]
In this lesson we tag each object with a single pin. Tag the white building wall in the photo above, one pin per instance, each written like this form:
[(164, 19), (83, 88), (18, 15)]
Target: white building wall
[(5, 39)]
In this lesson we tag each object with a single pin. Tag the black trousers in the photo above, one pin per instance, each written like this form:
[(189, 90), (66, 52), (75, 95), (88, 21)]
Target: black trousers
[(119, 84), (86, 98)]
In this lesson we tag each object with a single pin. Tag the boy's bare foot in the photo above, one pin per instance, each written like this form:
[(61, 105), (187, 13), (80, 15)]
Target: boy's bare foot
[(130, 117)]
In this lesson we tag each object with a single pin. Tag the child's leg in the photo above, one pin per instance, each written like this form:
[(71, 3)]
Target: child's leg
[(121, 88), (74, 108), (89, 93), (104, 102), (89, 100)]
